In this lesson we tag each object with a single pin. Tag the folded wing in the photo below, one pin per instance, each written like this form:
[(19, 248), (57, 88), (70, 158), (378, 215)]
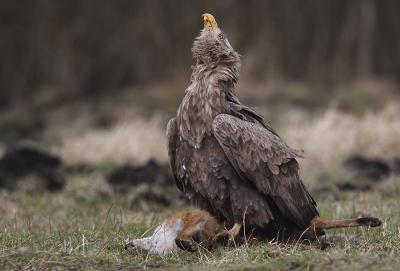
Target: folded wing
[(261, 157)]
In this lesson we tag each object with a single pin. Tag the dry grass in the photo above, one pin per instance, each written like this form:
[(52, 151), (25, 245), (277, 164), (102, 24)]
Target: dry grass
[(336, 134), (327, 140), (132, 141)]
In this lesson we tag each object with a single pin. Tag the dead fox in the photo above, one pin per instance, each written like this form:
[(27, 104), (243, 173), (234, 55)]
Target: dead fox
[(191, 230), (184, 231)]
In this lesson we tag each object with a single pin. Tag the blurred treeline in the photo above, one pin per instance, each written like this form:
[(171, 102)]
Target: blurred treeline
[(95, 46), (57, 52)]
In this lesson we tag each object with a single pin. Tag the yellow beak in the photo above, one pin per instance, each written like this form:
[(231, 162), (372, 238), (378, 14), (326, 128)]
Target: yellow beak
[(210, 22)]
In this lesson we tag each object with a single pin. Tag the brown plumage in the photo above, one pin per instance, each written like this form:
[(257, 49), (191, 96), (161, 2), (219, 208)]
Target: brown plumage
[(224, 155)]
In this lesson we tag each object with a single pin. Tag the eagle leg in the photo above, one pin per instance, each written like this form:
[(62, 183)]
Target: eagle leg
[(234, 231), (231, 235)]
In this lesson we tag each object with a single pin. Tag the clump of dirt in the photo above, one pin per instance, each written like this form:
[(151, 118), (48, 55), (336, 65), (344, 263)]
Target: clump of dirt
[(27, 159), (152, 173), (366, 173), (370, 169)]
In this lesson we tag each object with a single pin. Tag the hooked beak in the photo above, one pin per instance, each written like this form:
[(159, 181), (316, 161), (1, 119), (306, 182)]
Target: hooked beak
[(210, 22)]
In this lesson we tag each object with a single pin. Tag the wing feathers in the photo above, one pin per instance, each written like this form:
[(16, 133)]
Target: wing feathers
[(272, 166), (171, 135), (262, 158)]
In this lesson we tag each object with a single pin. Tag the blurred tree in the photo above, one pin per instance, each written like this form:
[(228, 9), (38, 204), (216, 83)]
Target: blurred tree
[(85, 48)]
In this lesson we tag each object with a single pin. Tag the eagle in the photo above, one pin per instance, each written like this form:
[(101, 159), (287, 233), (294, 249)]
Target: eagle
[(223, 154)]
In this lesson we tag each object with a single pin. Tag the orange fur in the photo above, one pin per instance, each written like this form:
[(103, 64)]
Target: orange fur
[(197, 223)]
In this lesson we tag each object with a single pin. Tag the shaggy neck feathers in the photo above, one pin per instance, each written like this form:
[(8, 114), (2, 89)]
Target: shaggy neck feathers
[(212, 79)]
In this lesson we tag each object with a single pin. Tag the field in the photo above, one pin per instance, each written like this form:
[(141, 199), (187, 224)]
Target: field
[(82, 229), (85, 226)]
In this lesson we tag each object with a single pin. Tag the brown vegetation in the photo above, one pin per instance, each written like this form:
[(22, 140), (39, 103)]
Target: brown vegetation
[(134, 142)]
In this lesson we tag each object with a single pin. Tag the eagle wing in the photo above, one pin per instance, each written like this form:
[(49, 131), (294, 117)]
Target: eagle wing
[(171, 134), (207, 186), (261, 158)]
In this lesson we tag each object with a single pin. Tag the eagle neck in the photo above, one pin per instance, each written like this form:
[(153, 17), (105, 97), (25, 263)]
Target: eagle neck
[(205, 98)]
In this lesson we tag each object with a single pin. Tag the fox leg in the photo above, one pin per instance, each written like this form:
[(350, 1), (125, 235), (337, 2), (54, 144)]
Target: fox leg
[(188, 239), (320, 223)]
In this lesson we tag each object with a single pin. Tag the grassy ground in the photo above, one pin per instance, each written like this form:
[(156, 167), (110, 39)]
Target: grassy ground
[(85, 228)]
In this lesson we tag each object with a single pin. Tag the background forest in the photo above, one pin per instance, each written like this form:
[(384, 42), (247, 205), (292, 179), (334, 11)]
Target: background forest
[(59, 53)]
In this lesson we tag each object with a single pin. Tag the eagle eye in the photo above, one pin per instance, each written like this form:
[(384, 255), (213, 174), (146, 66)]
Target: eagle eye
[(220, 36)]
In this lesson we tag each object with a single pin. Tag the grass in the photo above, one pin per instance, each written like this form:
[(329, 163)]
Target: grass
[(81, 228)]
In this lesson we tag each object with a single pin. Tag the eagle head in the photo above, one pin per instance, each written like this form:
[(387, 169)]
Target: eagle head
[(212, 45)]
